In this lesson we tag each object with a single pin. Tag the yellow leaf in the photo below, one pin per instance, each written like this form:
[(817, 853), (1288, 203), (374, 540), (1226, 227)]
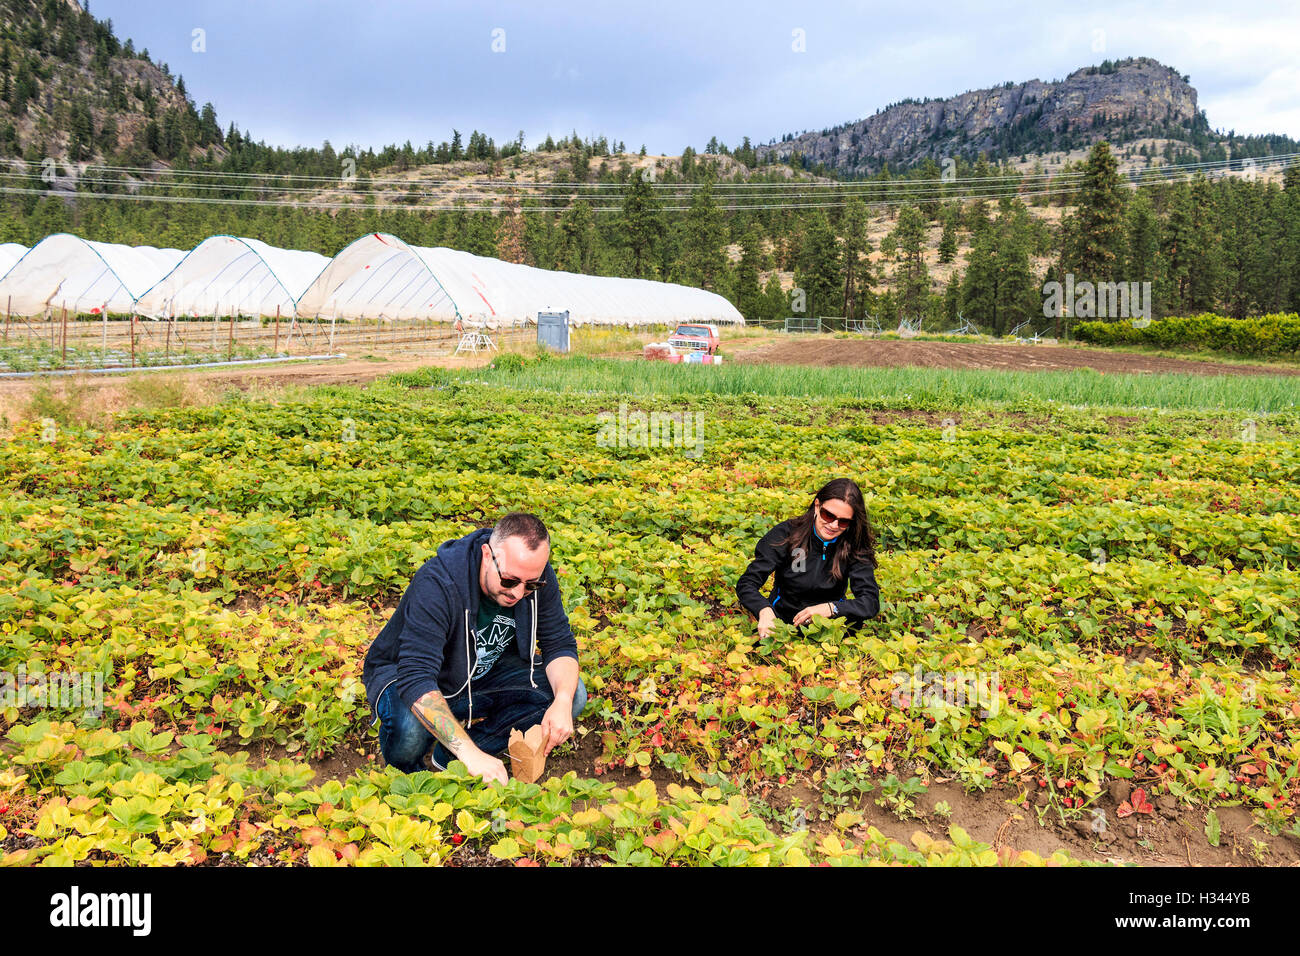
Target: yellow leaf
[(831, 846), (796, 857), (320, 855)]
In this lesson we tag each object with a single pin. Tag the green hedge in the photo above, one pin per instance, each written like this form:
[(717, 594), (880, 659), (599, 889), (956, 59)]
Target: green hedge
[(1263, 335)]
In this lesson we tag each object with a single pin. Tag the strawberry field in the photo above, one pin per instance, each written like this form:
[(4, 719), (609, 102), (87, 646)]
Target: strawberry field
[(1122, 585)]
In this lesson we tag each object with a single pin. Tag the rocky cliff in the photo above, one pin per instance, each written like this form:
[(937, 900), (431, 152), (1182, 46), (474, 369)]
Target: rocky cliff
[(1117, 101)]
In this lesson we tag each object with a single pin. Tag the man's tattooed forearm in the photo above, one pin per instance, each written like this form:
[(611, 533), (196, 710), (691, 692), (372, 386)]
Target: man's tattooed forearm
[(432, 711)]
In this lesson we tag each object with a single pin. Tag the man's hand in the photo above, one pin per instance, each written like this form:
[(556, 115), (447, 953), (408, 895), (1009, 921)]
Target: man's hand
[(432, 711), (485, 766), (557, 724), (766, 620), (808, 613)]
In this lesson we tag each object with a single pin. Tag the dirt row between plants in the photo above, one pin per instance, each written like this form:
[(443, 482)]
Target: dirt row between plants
[(120, 392), (824, 351), (1172, 834)]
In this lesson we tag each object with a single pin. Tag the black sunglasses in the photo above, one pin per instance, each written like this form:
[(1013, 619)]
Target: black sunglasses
[(511, 583), (831, 519)]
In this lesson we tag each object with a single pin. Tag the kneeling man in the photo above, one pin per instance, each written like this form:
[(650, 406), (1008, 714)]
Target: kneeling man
[(480, 636)]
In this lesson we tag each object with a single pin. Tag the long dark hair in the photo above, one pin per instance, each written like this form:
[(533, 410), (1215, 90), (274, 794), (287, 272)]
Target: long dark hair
[(859, 539)]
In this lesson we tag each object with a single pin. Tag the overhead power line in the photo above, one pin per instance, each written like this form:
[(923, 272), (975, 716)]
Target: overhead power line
[(905, 192)]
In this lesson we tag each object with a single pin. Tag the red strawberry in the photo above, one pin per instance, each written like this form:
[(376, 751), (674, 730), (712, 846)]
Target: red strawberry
[(457, 839)]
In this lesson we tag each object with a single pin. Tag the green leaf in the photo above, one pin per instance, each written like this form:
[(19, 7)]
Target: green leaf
[(1212, 828)]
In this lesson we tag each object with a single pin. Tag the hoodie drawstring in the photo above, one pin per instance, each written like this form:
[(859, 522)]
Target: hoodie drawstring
[(469, 672), (532, 652)]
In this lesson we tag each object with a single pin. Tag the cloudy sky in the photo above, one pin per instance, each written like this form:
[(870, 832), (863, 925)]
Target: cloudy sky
[(668, 73)]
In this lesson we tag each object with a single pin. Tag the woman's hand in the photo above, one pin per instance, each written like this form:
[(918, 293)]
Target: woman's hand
[(766, 619), (808, 613)]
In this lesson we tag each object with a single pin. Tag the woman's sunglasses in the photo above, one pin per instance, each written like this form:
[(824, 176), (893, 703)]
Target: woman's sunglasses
[(511, 583), (830, 519)]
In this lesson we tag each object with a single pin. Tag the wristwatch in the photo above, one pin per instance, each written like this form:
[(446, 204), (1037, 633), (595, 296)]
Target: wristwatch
[(835, 608)]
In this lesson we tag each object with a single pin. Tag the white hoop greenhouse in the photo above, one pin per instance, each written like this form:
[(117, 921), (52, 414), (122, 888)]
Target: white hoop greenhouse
[(10, 252), (376, 277), (227, 275), (68, 272)]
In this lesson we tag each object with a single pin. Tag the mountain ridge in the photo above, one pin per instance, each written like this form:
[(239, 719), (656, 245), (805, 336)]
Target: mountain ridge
[(1117, 101)]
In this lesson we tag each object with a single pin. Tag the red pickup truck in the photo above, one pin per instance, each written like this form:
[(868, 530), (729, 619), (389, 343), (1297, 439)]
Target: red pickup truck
[(690, 336), (690, 342)]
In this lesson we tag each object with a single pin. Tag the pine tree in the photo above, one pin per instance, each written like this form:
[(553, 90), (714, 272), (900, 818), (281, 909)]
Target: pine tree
[(857, 267), (1248, 242), (979, 283), (911, 277), (818, 271), (1095, 235), (705, 259), (1189, 251), (574, 248), (749, 296), (948, 241), (640, 221), (998, 288), (1289, 249), (1143, 227)]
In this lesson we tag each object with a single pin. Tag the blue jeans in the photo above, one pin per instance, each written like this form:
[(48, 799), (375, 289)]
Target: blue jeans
[(503, 699)]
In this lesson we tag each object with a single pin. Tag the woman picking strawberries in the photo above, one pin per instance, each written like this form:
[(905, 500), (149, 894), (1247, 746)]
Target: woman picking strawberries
[(816, 557)]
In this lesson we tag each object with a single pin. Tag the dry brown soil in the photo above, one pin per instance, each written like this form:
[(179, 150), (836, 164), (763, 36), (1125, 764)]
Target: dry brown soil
[(978, 355)]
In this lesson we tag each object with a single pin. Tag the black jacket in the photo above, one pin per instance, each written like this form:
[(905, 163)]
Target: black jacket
[(795, 590), (428, 643)]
